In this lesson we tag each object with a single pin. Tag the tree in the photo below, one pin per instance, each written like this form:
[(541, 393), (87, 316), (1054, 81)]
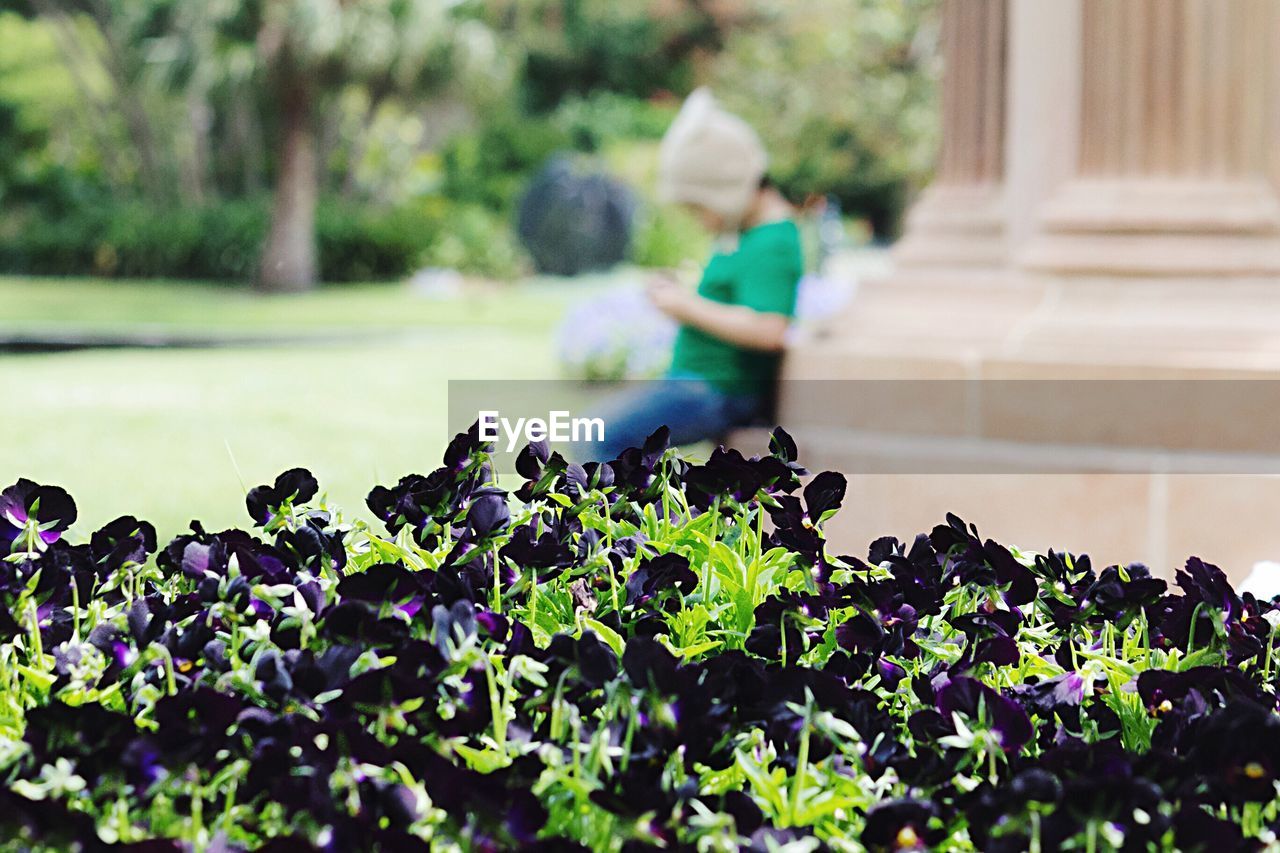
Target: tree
[(309, 50), (844, 94), (106, 40)]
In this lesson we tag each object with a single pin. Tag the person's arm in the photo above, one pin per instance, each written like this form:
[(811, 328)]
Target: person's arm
[(737, 324)]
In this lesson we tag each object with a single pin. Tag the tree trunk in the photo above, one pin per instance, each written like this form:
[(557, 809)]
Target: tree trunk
[(196, 168), (289, 258)]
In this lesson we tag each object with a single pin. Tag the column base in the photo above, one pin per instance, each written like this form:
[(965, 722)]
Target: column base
[(955, 226), (1162, 228), (1004, 475)]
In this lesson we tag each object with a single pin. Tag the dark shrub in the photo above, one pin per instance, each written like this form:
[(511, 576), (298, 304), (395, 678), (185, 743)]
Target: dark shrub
[(573, 219)]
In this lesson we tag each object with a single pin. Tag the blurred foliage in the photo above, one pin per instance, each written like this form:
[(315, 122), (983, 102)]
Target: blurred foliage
[(129, 124), (630, 47), (596, 120), (222, 241), (844, 94), (472, 238), (491, 164), (667, 237)]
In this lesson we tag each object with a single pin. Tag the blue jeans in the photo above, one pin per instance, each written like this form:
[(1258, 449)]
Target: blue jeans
[(692, 408)]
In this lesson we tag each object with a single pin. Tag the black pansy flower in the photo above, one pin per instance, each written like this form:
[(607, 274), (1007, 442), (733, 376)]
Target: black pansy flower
[(666, 573), (902, 825), (313, 546), (510, 815), (292, 488), (918, 572), (782, 447), (727, 474), (1197, 830), (976, 701), (387, 583), (487, 513), (1052, 695), (797, 524), (540, 468), (33, 517), (649, 664), (885, 624), (467, 451), (1208, 584), (1236, 749), (415, 501), (1120, 593), (635, 469), (454, 626), (122, 542), (596, 662), (542, 546)]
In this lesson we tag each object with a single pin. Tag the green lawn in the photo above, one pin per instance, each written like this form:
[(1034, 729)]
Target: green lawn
[(168, 435), (94, 305)]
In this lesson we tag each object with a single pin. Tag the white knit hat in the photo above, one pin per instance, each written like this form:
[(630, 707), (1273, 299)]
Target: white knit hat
[(710, 157)]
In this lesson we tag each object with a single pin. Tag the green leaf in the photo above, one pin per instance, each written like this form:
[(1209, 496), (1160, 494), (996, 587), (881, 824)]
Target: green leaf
[(611, 637)]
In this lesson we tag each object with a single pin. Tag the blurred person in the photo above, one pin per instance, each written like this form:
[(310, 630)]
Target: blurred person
[(733, 328)]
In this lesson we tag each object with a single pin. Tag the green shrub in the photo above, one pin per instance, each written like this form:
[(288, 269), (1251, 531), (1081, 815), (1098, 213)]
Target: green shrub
[(492, 164), (223, 241), (474, 239), (362, 244), (604, 117), (844, 94), (215, 242), (667, 236), (136, 239), (616, 46)]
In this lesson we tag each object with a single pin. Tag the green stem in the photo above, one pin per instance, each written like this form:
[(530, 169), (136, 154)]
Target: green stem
[(37, 642), (1266, 661), (802, 769), (711, 540), (496, 604), (608, 523), (533, 599), (197, 819), (630, 735), (666, 508), (75, 609), (168, 667), (782, 625), (1191, 631), (230, 802), (613, 584), (495, 708)]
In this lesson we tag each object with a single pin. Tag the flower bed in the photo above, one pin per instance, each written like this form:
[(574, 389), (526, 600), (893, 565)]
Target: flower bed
[(646, 653)]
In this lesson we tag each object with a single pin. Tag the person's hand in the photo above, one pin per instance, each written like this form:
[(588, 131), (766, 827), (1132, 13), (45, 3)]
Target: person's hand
[(668, 295)]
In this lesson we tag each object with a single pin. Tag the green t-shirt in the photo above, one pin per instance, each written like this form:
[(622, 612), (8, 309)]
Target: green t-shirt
[(762, 273)]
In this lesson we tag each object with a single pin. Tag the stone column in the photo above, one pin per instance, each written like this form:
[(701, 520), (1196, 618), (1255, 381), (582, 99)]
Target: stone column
[(959, 220), (1044, 109), (1142, 220), (1177, 162)]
